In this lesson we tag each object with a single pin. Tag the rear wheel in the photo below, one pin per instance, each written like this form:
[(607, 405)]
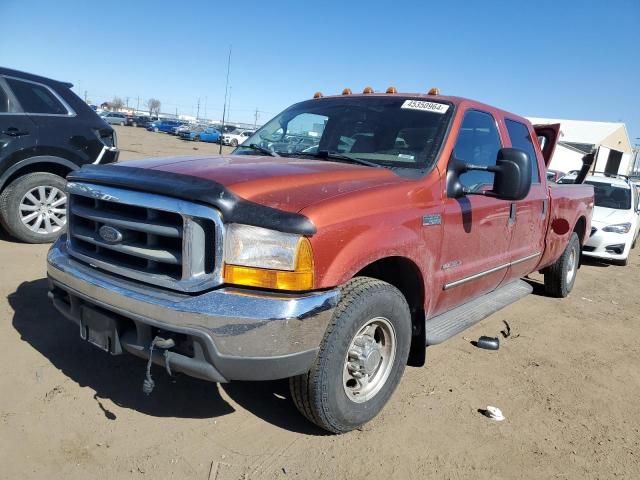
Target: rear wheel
[(196, 138), (122, 124), (33, 207), (361, 359), (234, 142), (560, 277)]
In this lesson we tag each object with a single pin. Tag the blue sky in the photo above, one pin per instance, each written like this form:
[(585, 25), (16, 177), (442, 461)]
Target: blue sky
[(559, 59)]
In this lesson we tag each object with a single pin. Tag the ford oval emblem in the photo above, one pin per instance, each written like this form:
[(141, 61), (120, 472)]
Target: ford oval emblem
[(110, 234)]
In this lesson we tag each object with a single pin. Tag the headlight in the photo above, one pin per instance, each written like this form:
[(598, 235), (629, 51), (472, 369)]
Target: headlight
[(259, 257), (619, 228)]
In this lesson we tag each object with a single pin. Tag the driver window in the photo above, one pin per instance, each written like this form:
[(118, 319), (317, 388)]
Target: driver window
[(478, 143)]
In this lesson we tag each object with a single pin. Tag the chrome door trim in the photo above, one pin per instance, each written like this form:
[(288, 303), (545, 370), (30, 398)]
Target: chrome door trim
[(484, 273)]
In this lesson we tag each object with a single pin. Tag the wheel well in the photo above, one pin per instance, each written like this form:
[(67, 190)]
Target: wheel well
[(580, 229), (47, 167), (405, 275)]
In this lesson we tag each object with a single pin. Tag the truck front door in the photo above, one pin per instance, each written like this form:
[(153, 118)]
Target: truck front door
[(476, 228)]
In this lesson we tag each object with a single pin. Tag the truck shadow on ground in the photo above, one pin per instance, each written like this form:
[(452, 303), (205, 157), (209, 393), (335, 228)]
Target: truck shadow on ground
[(119, 378)]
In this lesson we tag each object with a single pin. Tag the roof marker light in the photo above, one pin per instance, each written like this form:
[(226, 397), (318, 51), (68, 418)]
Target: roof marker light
[(318, 95), (367, 90), (434, 91), (346, 91), (392, 90)]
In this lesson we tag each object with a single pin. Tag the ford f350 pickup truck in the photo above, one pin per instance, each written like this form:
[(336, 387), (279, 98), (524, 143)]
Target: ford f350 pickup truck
[(400, 220)]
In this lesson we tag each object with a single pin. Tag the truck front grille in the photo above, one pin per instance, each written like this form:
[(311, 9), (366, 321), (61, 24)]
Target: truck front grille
[(152, 238)]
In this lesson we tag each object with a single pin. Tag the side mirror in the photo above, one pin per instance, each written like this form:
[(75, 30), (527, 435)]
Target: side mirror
[(512, 179)]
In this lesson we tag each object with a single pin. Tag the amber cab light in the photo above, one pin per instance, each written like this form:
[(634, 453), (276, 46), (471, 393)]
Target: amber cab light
[(367, 90), (392, 90), (434, 91), (297, 280), (317, 95), (346, 91)]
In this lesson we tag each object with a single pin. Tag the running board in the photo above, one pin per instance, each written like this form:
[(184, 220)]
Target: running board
[(446, 325)]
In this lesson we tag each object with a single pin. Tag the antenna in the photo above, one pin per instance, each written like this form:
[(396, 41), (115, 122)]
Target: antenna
[(226, 91)]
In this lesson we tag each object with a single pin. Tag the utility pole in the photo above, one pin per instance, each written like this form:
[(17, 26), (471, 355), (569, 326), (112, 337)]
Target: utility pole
[(127, 101), (226, 90), (198, 112), (205, 108), (176, 112), (255, 118), (85, 96), (138, 104)]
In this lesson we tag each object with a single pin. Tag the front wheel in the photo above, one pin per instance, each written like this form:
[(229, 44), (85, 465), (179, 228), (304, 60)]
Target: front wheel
[(33, 207), (560, 277), (361, 359), (234, 143)]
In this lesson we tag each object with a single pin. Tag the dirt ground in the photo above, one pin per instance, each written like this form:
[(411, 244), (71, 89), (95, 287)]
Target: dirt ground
[(567, 380)]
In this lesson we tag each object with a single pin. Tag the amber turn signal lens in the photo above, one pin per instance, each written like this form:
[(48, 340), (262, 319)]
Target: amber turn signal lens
[(392, 90), (434, 91), (346, 91), (299, 279), (367, 90), (317, 95)]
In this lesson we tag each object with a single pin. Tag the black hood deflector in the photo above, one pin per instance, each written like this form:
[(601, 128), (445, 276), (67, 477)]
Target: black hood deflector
[(195, 189)]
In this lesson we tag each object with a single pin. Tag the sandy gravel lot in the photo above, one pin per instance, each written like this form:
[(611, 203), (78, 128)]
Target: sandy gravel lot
[(567, 380)]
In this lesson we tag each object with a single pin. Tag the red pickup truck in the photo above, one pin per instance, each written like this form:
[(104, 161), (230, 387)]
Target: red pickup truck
[(331, 247)]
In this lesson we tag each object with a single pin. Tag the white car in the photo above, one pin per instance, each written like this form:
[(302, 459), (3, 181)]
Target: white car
[(236, 137), (616, 218)]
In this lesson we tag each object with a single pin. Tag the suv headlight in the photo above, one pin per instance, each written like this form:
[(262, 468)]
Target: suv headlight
[(619, 228), (259, 257)]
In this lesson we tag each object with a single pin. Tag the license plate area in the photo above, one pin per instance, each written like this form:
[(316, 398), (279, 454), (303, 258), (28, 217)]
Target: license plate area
[(100, 329)]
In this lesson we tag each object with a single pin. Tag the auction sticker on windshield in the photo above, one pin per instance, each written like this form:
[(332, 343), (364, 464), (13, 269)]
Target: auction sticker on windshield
[(426, 106)]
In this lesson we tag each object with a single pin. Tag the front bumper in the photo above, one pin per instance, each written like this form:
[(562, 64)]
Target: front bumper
[(222, 335), (608, 245)]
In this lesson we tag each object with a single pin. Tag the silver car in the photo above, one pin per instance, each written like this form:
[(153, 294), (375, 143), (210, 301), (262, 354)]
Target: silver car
[(114, 118)]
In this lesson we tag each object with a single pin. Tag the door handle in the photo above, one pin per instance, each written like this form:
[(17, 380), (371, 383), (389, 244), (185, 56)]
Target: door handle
[(512, 214), (14, 132)]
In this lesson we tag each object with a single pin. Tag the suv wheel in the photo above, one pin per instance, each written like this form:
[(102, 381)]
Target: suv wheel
[(560, 277), (361, 359), (234, 142), (33, 208)]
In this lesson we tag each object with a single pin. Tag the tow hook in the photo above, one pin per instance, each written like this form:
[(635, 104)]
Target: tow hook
[(162, 343)]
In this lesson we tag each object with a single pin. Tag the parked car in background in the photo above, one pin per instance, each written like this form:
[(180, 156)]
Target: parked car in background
[(209, 134), (554, 175), (193, 133), (114, 118), (616, 217), (46, 131), (163, 125), (137, 120), (332, 268), (236, 137)]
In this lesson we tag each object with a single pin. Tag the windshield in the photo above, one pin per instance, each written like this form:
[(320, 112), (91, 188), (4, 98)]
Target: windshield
[(387, 130), (611, 196)]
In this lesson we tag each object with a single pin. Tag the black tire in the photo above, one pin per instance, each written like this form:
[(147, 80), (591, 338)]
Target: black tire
[(320, 395), (122, 124), (196, 138), (11, 198), (234, 142), (556, 281), (134, 124)]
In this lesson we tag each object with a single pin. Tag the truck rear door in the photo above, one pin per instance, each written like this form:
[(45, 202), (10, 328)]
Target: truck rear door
[(529, 216), (548, 136)]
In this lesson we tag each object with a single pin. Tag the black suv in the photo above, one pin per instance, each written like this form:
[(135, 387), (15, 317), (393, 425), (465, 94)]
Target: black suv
[(46, 131)]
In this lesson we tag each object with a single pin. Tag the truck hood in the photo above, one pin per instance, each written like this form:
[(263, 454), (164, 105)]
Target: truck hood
[(611, 216), (286, 183)]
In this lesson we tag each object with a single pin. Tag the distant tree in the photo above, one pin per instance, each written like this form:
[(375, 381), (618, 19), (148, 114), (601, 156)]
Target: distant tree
[(117, 103), (154, 106)]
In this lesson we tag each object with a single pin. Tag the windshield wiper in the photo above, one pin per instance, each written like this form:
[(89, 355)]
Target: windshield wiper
[(260, 149), (348, 158)]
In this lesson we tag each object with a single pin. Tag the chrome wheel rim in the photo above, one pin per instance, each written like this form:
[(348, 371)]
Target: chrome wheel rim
[(43, 209), (571, 265), (369, 360)]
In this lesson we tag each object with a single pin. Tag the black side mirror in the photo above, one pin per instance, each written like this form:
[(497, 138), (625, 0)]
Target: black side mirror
[(512, 180)]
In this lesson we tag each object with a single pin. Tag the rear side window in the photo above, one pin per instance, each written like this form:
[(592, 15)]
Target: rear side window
[(6, 105), (520, 138), (478, 143), (36, 98)]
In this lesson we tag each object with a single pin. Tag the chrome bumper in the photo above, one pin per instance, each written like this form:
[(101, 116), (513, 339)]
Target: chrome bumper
[(243, 334)]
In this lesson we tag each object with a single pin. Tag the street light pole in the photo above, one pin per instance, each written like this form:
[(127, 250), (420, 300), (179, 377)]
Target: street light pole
[(226, 90)]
